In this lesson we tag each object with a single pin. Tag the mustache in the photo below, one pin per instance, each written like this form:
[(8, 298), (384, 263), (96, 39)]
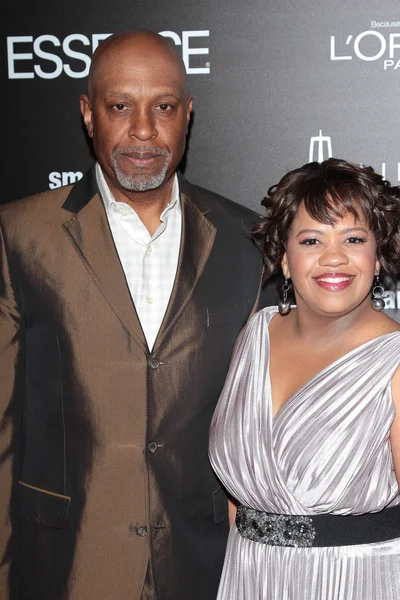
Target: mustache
[(141, 149)]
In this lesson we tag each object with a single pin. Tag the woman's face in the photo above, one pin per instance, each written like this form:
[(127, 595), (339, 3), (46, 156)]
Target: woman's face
[(331, 267)]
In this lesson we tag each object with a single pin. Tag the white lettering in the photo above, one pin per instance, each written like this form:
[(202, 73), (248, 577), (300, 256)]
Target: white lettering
[(383, 172), (333, 51), (361, 36), (57, 180), (392, 45), (375, 24), (47, 56), (97, 38), (187, 51), (388, 63), (12, 56), (174, 37), (389, 45), (68, 49), (70, 177), (389, 298), (77, 55)]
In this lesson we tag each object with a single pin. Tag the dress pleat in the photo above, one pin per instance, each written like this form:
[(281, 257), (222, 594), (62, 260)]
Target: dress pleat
[(327, 450)]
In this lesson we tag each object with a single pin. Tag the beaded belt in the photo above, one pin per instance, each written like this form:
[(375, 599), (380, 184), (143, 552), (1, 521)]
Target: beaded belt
[(304, 531)]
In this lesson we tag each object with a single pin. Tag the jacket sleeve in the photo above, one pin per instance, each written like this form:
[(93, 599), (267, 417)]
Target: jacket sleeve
[(11, 388), (267, 293)]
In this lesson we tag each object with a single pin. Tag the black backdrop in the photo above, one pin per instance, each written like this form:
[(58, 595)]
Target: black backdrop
[(275, 83)]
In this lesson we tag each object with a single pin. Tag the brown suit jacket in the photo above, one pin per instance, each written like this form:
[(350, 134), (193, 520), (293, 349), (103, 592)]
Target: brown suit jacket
[(103, 444)]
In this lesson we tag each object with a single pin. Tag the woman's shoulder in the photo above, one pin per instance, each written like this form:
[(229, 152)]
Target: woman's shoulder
[(381, 326), (257, 325), (267, 312), (391, 320), (262, 316)]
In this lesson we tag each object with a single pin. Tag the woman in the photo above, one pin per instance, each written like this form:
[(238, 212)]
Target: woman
[(308, 423)]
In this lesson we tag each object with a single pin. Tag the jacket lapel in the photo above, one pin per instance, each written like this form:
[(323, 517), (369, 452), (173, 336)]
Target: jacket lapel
[(90, 233), (198, 235)]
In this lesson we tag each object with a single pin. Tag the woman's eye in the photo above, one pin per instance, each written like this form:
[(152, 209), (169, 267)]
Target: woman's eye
[(354, 239), (309, 242)]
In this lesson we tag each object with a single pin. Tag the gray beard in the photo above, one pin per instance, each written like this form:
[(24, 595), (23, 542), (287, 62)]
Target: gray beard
[(141, 182)]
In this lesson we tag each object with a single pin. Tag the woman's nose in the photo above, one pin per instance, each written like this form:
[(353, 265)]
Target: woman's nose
[(333, 255)]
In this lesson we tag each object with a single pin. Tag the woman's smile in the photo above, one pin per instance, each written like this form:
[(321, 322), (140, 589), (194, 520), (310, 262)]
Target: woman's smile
[(334, 282)]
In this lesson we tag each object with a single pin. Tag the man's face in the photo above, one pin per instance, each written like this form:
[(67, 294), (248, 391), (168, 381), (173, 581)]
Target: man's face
[(137, 117)]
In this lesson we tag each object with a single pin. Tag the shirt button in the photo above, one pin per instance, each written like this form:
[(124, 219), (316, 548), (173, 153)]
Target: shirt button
[(152, 446), (150, 300), (154, 363), (149, 249), (142, 531), (123, 213)]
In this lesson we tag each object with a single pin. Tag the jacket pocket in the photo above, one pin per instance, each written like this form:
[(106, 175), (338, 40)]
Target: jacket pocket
[(220, 502), (42, 506)]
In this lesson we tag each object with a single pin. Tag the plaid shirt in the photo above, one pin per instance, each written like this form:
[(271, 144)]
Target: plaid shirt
[(149, 262)]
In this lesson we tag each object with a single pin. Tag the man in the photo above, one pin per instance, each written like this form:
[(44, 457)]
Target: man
[(121, 298)]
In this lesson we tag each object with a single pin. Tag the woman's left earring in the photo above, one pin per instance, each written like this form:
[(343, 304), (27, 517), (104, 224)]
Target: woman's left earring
[(377, 301), (284, 306)]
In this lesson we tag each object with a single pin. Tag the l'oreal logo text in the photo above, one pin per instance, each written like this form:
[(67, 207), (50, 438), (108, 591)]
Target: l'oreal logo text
[(368, 46)]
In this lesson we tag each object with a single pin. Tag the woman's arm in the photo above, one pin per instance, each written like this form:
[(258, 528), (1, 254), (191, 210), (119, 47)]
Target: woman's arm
[(232, 508), (395, 429)]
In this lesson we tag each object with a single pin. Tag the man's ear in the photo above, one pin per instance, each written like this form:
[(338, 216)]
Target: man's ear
[(87, 113), (189, 108)]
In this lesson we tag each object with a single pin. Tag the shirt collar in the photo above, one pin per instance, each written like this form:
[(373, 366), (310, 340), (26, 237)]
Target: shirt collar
[(109, 200)]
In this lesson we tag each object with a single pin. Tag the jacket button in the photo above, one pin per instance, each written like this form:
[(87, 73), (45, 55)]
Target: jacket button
[(152, 446), (154, 363), (142, 531)]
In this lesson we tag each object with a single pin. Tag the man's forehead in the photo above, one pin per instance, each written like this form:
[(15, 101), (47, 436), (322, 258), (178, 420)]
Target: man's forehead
[(140, 93), (130, 65), (138, 49), (134, 82)]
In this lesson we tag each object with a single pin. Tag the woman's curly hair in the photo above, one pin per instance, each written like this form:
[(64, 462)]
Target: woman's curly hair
[(330, 190)]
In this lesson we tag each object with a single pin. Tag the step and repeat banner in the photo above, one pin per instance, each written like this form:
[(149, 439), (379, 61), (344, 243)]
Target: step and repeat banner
[(275, 83)]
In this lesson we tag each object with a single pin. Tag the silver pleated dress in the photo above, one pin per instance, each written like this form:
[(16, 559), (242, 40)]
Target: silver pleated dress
[(327, 450)]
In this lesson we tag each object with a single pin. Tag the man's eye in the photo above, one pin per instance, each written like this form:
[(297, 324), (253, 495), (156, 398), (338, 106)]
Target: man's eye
[(309, 242), (164, 107), (119, 106)]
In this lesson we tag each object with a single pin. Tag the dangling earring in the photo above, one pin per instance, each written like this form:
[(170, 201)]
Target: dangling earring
[(377, 301), (284, 306)]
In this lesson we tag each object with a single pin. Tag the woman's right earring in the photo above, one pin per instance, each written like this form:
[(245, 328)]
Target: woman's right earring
[(284, 306), (377, 301)]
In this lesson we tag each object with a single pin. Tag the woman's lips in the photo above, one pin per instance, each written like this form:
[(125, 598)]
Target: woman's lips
[(334, 282)]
